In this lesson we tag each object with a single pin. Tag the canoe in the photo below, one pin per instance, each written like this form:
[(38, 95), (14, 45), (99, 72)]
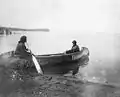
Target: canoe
[(60, 63)]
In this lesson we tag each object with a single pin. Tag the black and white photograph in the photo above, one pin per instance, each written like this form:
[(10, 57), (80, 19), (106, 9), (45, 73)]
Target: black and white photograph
[(59, 48)]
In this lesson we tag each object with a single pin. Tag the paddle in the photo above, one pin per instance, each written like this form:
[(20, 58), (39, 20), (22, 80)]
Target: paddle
[(37, 65)]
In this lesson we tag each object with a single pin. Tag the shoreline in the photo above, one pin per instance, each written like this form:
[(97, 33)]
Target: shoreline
[(29, 84)]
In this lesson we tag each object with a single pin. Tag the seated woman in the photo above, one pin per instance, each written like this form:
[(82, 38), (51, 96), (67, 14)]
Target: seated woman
[(21, 49), (75, 47)]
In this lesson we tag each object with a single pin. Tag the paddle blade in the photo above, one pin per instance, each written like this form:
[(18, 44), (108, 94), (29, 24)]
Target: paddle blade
[(39, 70)]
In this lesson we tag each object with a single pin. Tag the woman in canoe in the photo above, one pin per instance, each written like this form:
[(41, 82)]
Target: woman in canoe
[(21, 50)]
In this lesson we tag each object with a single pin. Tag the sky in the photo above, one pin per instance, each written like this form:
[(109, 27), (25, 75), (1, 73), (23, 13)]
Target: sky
[(82, 15)]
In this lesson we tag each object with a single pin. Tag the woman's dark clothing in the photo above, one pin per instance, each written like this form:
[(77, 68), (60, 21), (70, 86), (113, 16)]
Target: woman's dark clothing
[(75, 48), (21, 51)]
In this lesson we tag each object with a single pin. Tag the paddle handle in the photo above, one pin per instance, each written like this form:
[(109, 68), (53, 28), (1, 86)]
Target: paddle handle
[(37, 65)]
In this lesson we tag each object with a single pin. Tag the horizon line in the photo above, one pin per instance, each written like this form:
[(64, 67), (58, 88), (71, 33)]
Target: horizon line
[(25, 29)]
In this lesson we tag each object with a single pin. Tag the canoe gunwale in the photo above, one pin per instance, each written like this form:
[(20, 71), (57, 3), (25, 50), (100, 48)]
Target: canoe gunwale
[(60, 56)]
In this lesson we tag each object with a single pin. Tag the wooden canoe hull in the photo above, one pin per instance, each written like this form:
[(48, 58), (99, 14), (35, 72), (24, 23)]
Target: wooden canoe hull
[(64, 67), (55, 63)]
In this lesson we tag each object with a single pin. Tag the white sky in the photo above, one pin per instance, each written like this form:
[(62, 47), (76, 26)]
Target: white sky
[(83, 15)]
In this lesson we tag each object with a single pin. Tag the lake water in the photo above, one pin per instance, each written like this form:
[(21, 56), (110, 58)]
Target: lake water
[(104, 49)]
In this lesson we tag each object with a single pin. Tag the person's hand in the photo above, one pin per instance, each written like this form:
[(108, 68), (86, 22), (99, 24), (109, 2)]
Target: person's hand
[(32, 54), (29, 51)]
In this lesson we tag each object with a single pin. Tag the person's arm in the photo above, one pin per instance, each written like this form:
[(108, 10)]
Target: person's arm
[(78, 48), (24, 47), (75, 48)]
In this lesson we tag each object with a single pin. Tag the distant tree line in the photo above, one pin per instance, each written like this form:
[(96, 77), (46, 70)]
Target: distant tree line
[(8, 30)]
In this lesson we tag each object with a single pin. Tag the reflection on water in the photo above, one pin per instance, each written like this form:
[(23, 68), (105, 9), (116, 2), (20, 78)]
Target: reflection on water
[(8, 43), (91, 91), (96, 90), (104, 49)]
